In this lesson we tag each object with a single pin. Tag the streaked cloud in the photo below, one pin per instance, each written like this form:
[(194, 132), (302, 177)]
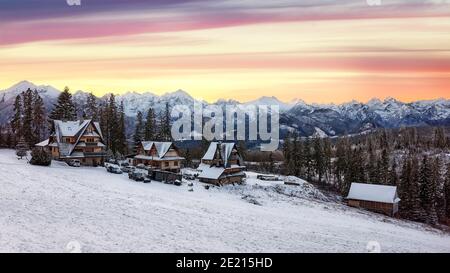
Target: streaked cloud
[(316, 50)]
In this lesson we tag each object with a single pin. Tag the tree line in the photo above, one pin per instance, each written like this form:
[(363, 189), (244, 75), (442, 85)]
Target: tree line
[(31, 122), (153, 127), (28, 122), (417, 164)]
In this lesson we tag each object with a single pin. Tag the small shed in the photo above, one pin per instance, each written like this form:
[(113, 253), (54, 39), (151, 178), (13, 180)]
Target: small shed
[(377, 198)]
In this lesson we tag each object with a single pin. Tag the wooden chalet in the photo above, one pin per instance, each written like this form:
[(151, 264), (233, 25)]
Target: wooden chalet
[(163, 156), (377, 198), (221, 164), (82, 140)]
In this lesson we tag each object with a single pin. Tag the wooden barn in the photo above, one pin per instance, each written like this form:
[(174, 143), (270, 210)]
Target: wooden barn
[(221, 164), (377, 198)]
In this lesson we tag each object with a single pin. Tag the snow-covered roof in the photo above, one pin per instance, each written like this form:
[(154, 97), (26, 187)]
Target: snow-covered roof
[(226, 149), (161, 147), (374, 193), (73, 129), (42, 144), (211, 172), (69, 128), (156, 158)]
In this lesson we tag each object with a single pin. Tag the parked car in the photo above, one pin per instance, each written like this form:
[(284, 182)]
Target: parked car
[(113, 161), (124, 164), (177, 182), (189, 176), (141, 166), (74, 163), (147, 179), (114, 169), (137, 175), (127, 169)]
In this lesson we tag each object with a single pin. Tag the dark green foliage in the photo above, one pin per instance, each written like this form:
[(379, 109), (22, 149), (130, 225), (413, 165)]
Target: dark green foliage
[(40, 157), (150, 126), (39, 118), (21, 148), (91, 109), (138, 132), (447, 192), (16, 121), (64, 109)]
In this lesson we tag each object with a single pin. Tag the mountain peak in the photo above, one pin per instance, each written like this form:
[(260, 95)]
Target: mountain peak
[(22, 85)]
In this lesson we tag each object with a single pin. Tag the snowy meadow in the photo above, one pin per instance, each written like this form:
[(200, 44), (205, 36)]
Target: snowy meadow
[(51, 209)]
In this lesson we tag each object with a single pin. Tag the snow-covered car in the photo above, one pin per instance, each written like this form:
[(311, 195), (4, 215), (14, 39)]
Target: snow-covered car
[(74, 163), (141, 166), (137, 176), (177, 182), (188, 176), (147, 180), (127, 169), (114, 169)]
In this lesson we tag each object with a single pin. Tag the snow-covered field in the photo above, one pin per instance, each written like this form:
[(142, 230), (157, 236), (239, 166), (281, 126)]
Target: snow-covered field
[(43, 209)]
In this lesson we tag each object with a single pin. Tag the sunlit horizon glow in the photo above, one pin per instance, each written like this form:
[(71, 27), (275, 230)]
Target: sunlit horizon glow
[(317, 51)]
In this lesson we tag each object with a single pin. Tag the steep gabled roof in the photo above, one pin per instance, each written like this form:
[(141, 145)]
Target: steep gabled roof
[(374, 193), (225, 151), (161, 147), (72, 129)]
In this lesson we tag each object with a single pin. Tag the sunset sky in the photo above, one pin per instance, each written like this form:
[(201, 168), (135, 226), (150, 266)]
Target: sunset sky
[(318, 51)]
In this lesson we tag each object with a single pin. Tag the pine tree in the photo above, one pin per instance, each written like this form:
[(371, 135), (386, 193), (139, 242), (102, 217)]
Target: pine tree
[(38, 117), (372, 167), (383, 167), (2, 137), (16, 121), (21, 148), (417, 210), (188, 158), (439, 188), (138, 132), (340, 163), (318, 158), (121, 136), (393, 178), (150, 125), (287, 153), (327, 156), (27, 121), (447, 192), (64, 109), (404, 190), (165, 132), (91, 111), (9, 138), (295, 166), (439, 138), (428, 191), (306, 159), (113, 124)]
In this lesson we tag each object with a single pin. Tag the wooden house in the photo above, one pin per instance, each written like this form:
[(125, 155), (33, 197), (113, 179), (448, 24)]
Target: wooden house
[(82, 140), (377, 198), (163, 156), (221, 164)]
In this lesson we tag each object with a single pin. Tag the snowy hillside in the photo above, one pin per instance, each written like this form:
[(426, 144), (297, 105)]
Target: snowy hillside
[(46, 208)]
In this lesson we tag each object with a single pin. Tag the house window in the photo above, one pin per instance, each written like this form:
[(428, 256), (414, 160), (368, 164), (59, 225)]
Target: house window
[(166, 164), (175, 163)]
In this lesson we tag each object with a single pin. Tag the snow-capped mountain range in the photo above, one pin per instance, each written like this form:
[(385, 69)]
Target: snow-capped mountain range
[(307, 119)]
